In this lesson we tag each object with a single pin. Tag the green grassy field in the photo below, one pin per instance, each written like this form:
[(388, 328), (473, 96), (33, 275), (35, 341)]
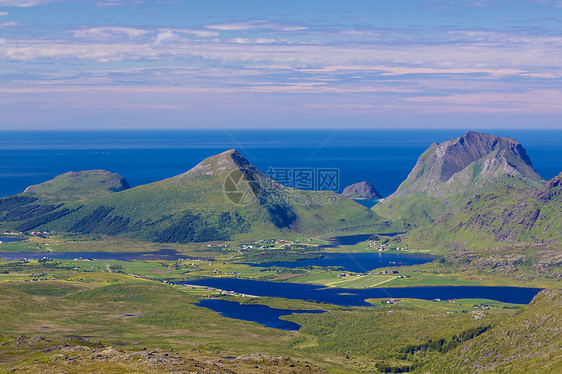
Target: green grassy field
[(14, 247), (95, 305), (453, 306), (101, 243), (331, 279), (418, 278), (65, 299)]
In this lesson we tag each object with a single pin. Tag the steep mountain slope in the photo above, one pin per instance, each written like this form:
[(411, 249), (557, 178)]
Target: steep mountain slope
[(505, 214), (222, 197), (447, 174), (361, 190), (528, 342)]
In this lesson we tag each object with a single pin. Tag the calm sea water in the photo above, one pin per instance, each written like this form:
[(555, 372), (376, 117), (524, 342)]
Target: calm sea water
[(383, 157)]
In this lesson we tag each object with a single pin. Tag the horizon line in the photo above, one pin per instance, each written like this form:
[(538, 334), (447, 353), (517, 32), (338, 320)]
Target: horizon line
[(277, 129)]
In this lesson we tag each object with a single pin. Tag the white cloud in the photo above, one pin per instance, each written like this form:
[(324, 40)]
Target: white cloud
[(534, 100), (111, 32), (8, 24), (257, 65), (24, 3), (237, 26), (531, 58), (288, 28), (165, 36), (256, 24), (174, 33), (109, 3), (252, 41), (28, 50), (361, 32), (3, 13), (475, 70), (108, 31), (200, 33)]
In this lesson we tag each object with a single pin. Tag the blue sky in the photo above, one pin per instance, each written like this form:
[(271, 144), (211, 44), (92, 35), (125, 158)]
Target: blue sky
[(73, 64)]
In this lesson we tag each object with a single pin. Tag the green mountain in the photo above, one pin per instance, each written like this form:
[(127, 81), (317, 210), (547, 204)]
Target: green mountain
[(79, 185), (47, 201), (447, 174), (505, 214), (528, 342), (222, 198)]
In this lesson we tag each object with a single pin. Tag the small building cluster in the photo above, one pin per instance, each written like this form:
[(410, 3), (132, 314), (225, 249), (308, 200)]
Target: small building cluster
[(482, 306), (385, 246), (41, 233), (449, 300), (343, 275), (394, 301), (386, 272)]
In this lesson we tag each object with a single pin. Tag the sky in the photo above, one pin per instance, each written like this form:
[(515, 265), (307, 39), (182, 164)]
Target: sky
[(121, 64)]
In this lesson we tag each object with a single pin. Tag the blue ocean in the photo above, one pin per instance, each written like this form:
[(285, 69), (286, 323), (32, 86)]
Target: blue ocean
[(383, 157)]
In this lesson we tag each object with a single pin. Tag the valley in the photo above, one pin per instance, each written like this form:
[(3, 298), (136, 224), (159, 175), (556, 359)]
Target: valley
[(466, 245), (52, 294)]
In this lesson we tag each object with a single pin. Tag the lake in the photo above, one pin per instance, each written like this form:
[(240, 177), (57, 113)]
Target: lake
[(356, 297), (356, 262), (347, 239), (165, 254), (336, 241), (368, 203), (261, 314), (10, 240), (354, 239)]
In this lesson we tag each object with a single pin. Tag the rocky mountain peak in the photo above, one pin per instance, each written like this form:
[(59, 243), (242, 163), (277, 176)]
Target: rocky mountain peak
[(458, 153), (471, 160), (222, 164), (361, 190)]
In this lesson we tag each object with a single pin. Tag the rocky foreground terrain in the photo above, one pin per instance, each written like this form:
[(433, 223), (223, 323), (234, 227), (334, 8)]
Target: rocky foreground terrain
[(38, 355)]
